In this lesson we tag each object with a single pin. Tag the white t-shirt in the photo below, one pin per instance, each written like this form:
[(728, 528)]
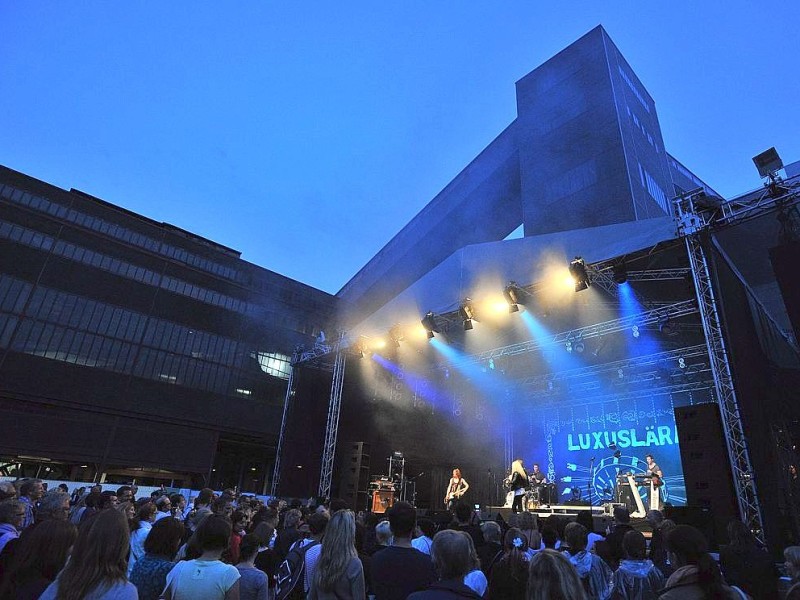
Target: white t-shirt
[(201, 579)]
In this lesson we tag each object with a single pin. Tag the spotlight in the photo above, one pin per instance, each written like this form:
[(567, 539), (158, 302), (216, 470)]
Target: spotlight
[(511, 294), (635, 331), (578, 345), (396, 335), (620, 271), (429, 323), (577, 268), (568, 345), (467, 313), (768, 163)]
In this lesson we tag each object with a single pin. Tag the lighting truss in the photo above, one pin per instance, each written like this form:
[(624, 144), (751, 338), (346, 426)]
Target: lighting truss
[(276, 469), (332, 426), (649, 317)]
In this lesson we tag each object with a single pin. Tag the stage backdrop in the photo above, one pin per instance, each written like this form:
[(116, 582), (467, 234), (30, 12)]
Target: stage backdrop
[(568, 440)]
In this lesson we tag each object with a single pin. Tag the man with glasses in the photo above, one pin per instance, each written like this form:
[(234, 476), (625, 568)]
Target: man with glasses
[(12, 514)]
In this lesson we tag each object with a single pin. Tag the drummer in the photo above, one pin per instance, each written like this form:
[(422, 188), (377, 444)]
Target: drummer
[(536, 476)]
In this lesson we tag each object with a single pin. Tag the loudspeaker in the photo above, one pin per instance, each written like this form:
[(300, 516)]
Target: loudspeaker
[(354, 480), (701, 519), (706, 467)]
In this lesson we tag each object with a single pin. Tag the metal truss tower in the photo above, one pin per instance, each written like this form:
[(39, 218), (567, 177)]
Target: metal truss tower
[(276, 470), (332, 426)]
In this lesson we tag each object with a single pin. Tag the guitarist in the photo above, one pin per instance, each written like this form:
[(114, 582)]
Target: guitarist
[(456, 489), (658, 478)]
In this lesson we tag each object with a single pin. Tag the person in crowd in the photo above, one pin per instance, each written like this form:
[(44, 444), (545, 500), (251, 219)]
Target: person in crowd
[(149, 574), (551, 576), (696, 574), (77, 494), (96, 569), (37, 558), (222, 506), (550, 539), (266, 559), (178, 505), (289, 534), (53, 505), (555, 523), (30, 492), (585, 518), (202, 508), (253, 584), (400, 569), (128, 509), (475, 579), (370, 535), (509, 576), (366, 559), (657, 552), (7, 491), (339, 574), (594, 573), (206, 577), (613, 543), (107, 499), (747, 566), (239, 522), (464, 518), (140, 528), (163, 507), (317, 523), (124, 493), (637, 578), (383, 535), (529, 528), (492, 549), (792, 565), (12, 514), (453, 561), (426, 529)]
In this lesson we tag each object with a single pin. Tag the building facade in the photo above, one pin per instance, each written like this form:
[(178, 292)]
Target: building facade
[(134, 349)]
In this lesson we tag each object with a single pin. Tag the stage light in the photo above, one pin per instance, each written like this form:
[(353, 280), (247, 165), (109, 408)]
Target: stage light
[(665, 326), (620, 271), (577, 268), (635, 331), (467, 313), (768, 163), (568, 345), (396, 335), (578, 345), (429, 323), (378, 344), (511, 294)]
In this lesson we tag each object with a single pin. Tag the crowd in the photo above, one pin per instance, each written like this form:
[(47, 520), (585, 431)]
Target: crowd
[(112, 545)]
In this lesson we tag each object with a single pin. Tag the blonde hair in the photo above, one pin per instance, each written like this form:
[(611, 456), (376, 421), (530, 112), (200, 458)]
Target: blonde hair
[(338, 549), (551, 576), (516, 467)]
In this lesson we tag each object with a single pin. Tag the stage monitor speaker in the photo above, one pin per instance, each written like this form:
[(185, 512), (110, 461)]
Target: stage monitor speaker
[(354, 478), (701, 519), (706, 467)]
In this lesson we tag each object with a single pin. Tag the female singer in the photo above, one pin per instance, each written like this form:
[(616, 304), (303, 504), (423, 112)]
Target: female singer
[(519, 481), (456, 488)]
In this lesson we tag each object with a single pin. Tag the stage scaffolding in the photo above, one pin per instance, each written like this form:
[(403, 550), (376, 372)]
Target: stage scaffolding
[(697, 217)]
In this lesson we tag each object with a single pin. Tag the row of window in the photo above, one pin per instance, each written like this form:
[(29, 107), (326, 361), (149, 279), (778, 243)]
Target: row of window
[(76, 312), (38, 240), (117, 231)]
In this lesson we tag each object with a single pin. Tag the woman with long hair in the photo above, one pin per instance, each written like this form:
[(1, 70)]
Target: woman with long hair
[(128, 509), (519, 481), (696, 573), (339, 574), (509, 576), (37, 558), (456, 488), (140, 527), (98, 563), (551, 576)]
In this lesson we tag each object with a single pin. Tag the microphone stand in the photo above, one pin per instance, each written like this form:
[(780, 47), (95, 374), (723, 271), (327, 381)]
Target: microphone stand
[(590, 485)]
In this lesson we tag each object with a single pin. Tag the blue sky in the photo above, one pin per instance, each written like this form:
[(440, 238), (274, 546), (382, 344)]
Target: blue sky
[(306, 134)]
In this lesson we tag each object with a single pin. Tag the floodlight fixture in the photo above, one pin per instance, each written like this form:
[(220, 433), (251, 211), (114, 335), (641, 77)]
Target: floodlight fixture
[(620, 272), (396, 335), (512, 295), (429, 323), (768, 163), (665, 326), (577, 268), (635, 331), (467, 313)]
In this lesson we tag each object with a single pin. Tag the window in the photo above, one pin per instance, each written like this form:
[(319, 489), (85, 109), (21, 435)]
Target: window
[(278, 365)]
